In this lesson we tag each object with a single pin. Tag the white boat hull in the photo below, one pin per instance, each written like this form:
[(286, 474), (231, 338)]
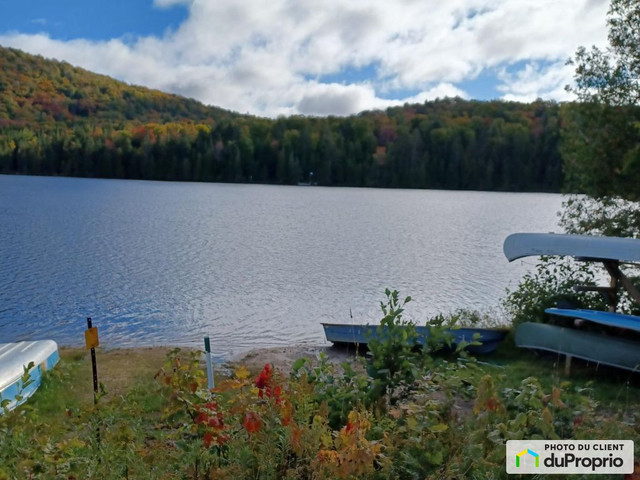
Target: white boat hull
[(519, 245), (14, 358)]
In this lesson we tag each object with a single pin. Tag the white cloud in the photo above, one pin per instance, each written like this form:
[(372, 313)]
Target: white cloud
[(335, 99), (269, 58), (536, 81), (441, 90)]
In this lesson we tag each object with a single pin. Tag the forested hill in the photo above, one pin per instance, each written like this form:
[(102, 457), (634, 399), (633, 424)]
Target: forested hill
[(35, 91), (56, 119)]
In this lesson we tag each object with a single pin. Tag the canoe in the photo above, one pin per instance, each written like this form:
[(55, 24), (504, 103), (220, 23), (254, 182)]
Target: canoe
[(14, 357), (519, 245), (344, 333), (610, 319), (593, 347), (602, 347)]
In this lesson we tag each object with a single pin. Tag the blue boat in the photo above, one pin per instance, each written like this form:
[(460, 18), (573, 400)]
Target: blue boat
[(618, 345), (14, 359), (345, 333), (609, 319)]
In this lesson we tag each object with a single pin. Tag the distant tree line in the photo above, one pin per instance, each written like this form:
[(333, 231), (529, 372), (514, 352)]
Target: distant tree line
[(450, 144), (56, 119)]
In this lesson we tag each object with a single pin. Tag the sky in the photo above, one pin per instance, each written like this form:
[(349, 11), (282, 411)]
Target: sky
[(316, 57)]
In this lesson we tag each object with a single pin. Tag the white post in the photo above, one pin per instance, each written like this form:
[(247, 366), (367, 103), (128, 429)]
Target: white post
[(207, 349)]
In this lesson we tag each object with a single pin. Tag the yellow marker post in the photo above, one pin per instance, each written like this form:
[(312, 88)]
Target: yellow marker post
[(91, 338), (91, 342)]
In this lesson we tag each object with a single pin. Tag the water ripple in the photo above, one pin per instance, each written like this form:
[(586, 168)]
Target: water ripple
[(166, 263)]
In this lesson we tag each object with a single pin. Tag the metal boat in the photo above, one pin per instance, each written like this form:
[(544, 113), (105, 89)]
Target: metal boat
[(15, 359), (344, 333)]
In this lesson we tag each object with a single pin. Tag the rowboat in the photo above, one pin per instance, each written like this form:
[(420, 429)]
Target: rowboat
[(344, 333), (15, 358)]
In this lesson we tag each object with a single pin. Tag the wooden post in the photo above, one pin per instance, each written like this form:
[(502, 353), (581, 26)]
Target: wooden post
[(94, 366), (567, 365), (91, 342), (613, 268), (613, 303)]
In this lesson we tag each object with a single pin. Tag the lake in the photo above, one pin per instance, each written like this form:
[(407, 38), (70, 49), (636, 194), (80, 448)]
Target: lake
[(166, 263)]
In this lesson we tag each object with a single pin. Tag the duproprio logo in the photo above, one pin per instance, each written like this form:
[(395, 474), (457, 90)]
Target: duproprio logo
[(540, 457), (525, 452)]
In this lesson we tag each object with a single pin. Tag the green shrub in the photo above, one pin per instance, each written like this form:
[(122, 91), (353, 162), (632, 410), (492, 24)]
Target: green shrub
[(552, 282), (439, 417)]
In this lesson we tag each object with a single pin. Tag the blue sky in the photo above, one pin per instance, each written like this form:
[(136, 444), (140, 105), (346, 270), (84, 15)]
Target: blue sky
[(92, 19), (316, 57)]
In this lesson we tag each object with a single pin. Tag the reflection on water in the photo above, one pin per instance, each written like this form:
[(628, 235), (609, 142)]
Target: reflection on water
[(250, 265)]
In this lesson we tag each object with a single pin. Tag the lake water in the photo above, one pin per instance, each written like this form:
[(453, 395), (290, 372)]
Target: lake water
[(158, 263)]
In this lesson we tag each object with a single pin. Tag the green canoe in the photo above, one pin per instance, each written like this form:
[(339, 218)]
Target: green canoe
[(593, 347)]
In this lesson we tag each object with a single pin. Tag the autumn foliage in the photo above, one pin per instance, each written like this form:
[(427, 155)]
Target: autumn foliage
[(269, 425), (56, 119)]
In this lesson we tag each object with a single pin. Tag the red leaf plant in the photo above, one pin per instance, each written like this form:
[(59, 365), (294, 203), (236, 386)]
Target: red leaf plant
[(211, 421), (252, 422), (266, 385)]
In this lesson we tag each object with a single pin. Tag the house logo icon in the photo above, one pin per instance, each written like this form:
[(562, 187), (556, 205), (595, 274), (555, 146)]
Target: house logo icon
[(525, 452)]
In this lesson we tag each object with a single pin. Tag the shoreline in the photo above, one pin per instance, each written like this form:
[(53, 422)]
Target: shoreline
[(283, 358), (119, 367), (277, 355)]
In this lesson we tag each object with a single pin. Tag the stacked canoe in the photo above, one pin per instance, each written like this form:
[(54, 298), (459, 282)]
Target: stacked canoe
[(607, 338)]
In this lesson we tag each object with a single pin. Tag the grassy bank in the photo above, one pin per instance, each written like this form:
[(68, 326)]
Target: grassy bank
[(448, 419)]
